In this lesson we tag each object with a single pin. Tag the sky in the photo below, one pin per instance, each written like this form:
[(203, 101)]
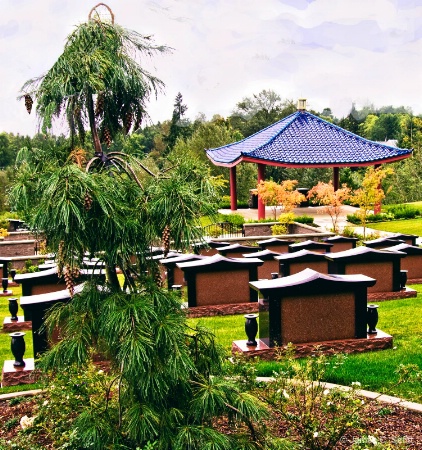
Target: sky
[(332, 52)]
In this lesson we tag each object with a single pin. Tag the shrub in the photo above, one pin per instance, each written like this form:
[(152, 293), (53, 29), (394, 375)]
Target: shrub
[(236, 219), (225, 203), (287, 218), (267, 220), (354, 218), (403, 211), (279, 229), (308, 220), (381, 217)]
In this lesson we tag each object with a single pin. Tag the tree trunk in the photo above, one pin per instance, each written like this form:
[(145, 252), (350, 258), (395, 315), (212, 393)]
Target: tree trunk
[(112, 278)]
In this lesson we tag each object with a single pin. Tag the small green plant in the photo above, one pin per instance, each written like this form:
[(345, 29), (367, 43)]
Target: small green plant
[(66, 395), (385, 411), (29, 267), (317, 415), (16, 400), (372, 442), (11, 423), (409, 373)]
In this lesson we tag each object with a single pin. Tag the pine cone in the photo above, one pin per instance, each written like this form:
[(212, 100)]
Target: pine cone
[(157, 276), (87, 201), (166, 240), (28, 103), (99, 107), (107, 137), (127, 121), (69, 280), (60, 260)]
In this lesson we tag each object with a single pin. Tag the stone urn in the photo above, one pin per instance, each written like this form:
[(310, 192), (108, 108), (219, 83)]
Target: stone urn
[(251, 329), (372, 318), (13, 308), (403, 279), (17, 346), (5, 284), (13, 274)]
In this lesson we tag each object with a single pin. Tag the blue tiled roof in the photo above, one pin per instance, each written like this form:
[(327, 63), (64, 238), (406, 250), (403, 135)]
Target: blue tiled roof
[(308, 140)]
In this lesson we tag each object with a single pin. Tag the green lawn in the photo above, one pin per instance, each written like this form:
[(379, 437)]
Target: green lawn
[(409, 226)]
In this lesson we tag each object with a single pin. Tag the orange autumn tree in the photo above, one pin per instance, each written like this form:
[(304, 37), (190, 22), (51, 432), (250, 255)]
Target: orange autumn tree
[(371, 193), (281, 196), (331, 200)]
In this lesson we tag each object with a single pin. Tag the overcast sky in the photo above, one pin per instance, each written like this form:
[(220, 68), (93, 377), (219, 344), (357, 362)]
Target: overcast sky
[(332, 52)]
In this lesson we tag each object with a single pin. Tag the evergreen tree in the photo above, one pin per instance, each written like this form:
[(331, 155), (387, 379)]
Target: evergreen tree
[(179, 126), (165, 387)]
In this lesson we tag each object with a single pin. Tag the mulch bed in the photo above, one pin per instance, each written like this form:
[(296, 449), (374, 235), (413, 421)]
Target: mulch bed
[(388, 423)]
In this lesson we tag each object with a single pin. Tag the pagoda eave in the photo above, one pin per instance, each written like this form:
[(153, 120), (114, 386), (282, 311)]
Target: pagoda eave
[(311, 165)]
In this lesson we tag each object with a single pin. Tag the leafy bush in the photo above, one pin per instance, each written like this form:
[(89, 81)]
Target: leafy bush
[(4, 223), (225, 203), (403, 211), (381, 217), (287, 218), (354, 218), (279, 229), (236, 219), (308, 220), (29, 267), (267, 220)]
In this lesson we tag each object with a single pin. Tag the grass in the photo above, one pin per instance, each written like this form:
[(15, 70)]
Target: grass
[(405, 226), (376, 371)]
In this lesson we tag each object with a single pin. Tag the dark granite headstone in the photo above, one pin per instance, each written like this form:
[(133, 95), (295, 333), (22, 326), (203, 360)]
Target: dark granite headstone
[(312, 307), (320, 247), (291, 263), (384, 266), (217, 280)]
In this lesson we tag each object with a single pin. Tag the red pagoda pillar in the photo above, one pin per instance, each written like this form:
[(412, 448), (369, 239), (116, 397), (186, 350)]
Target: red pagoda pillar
[(233, 189), (261, 177)]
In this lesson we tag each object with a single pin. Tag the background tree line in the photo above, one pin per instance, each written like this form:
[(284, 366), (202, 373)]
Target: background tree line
[(181, 136)]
